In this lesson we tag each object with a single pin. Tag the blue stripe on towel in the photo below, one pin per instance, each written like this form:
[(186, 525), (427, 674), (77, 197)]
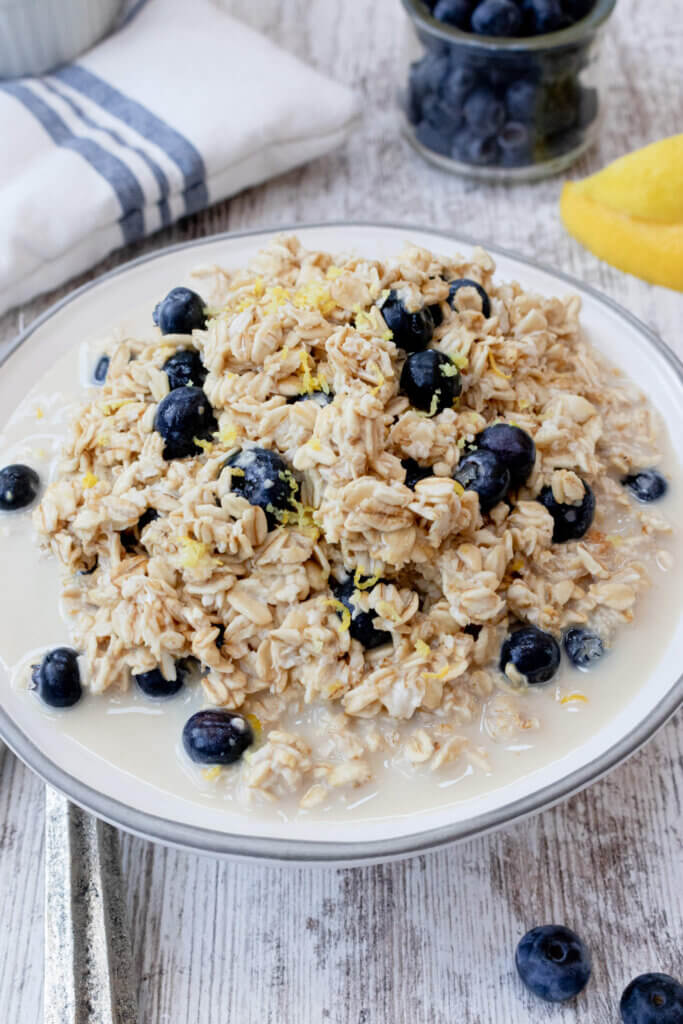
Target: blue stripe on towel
[(114, 171), (161, 179), (180, 150)]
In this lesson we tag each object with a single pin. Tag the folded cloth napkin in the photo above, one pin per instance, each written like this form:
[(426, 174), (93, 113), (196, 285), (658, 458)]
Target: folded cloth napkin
[(183, 106)]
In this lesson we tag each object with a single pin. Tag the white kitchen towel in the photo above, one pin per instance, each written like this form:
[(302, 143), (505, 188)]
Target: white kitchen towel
[(183, 106)]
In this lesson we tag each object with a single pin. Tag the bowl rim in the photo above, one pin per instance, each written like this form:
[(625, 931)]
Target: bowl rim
[(302, 851), (419, 13)]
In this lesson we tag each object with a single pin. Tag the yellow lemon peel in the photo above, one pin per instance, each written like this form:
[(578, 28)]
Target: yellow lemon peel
[(342, 610), (496, 368), (89, 480), (422, 648)]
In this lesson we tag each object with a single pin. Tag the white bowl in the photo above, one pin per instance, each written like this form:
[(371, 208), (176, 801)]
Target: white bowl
[(131, 802)]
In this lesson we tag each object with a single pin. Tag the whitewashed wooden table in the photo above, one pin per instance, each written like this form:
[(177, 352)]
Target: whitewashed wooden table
[(430, 940)]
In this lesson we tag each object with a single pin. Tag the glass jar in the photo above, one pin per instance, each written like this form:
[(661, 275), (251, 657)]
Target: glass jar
[(501, 109)]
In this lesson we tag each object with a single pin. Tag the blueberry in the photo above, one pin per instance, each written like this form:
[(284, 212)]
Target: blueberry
[(100, 371), (181, 417), (362, 627), (184, 367), (454, 12), (497, 18), (465, 282), (320, 398), (543, 16), (553, 962), (458, 85), (412, 331), (646, 484), (515, 141), (181, 312), (513, 446), (571, 521), (427, 75), (57, 678), (652, 999), (154, 684), (583, 647), (90, 571), (216, 736), (482, 471), (130, 539), (472, 149), (534, 654), (437, 313), (19, 486), (521, 100), (433, 138), (484, 112), (266, 480), (415, 472), (430, 380)]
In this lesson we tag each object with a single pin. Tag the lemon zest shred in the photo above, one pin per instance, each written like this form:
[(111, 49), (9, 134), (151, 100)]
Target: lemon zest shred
[(194, 553), (111, 407), (517, 565), (89, 480), (387, 335), (422, 648), (255, 724), (342, 610), (227, 434), (461, 361), (573, 697), (235, 470), (434, 407), (458, 488), (496, 368), (449, 370), (259, 287), (523, 403), (206, 446), (39, 413), (314, 444), (370, 581), (436, 675), (212, 773), (333, 273), (101, 440)]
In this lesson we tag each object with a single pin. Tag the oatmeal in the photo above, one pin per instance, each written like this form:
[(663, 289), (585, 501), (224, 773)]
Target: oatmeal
[(396, 493)]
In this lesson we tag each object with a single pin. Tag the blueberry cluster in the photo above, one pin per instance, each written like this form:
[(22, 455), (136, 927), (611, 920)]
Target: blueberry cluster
[(494, 108), (503, 458), (555, 964), (509, 17)]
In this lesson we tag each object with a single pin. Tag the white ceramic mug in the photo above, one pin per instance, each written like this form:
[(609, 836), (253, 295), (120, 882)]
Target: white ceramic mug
[(38, 35)]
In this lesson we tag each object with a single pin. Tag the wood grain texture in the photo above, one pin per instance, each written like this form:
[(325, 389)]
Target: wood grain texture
[(430, 940)]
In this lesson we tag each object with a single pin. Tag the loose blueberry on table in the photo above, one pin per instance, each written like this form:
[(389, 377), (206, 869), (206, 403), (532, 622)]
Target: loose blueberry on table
[(184, 416), (19, 486), (571, 521), (265, 480), (553, 962), (57, 678), (583, 646), (180, 312), (184, 367), (154, 684), (430, 380), (513, 446), (415, 472), (100, 371), (217, 737), (652, 999), (534, 654), (484, 472), (411, 331), (362, 626), (646, 485)]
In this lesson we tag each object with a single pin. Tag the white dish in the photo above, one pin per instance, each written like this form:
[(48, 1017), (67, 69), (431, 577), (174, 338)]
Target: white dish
[(125, 798)]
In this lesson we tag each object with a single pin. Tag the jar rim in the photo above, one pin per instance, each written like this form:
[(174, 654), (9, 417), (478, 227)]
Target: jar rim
[(418, 13)]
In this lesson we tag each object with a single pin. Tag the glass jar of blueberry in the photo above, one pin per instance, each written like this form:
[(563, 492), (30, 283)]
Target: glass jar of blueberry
[(503, 89)]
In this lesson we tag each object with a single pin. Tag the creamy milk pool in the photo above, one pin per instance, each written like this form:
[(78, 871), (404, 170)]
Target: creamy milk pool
[(142, 736)]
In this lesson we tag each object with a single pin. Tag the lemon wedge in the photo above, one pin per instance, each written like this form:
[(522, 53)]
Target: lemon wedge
[(631, 213)]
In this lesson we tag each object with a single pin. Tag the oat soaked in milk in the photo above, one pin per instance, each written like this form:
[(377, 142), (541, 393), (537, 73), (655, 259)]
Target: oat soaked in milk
[(327, 542)]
